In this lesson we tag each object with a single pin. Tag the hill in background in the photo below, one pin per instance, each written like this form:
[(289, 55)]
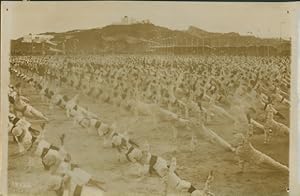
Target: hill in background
[(148, 37)]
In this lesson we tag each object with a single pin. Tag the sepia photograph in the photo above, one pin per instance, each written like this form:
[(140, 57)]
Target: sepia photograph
[(147, 98)]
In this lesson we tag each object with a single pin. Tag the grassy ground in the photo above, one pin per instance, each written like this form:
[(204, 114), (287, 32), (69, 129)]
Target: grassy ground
[(26, 174)]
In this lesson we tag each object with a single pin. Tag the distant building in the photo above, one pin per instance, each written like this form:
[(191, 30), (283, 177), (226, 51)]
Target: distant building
[(132, 21), (36, 38), (129, 21), (125, 20), (146, 21), (35, 45)]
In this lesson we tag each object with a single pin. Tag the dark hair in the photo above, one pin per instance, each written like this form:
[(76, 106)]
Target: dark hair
[(266, 105), (200, 105), (18, 85), (11, 99), (65, 98)]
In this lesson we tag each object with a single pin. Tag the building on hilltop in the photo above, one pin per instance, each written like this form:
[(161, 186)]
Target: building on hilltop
[(129, 21), (35, 45)]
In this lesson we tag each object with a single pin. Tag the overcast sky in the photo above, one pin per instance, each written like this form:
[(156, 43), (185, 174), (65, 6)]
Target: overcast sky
[(262, 19)]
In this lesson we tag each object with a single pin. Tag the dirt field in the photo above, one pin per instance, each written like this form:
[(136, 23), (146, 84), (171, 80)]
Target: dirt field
[(25, 174)]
